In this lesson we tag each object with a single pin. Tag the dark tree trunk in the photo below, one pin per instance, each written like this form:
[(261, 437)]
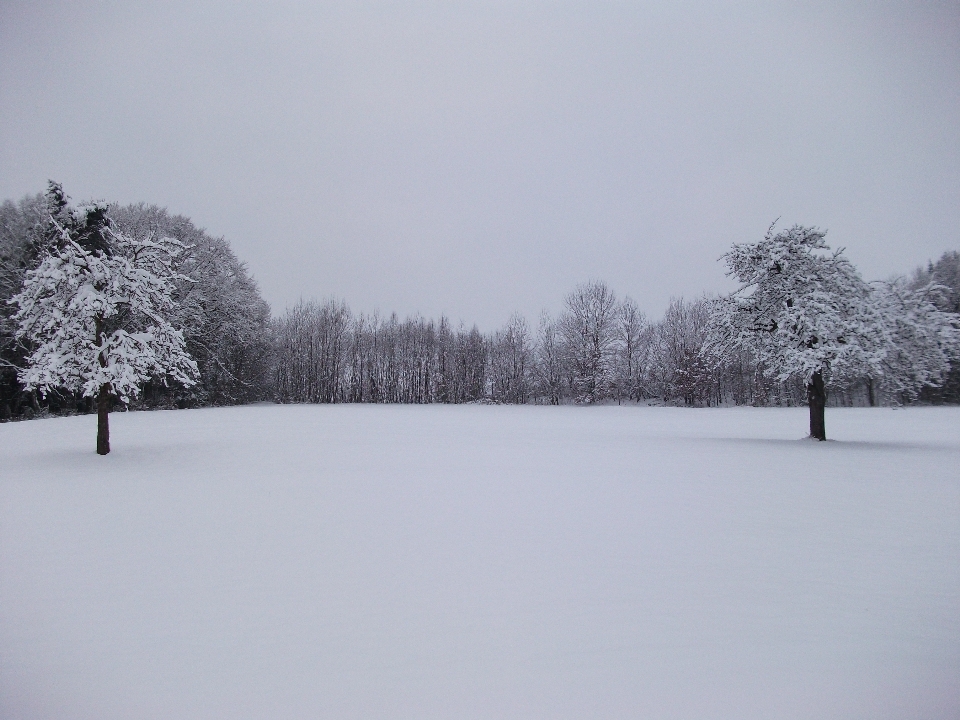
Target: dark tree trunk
[(817, 401), (871, 397), (103, 401), (103, 423)]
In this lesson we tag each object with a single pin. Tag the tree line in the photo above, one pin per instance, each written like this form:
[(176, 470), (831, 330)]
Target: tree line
[(599, 348)]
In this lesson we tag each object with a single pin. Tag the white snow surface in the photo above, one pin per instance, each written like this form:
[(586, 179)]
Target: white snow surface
[(481, 562)]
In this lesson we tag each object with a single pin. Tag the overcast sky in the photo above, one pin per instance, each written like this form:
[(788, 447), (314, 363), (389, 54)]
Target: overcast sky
[(476, 159)]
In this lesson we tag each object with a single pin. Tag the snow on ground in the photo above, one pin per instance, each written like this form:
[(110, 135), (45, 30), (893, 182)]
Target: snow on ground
[(481, 562)]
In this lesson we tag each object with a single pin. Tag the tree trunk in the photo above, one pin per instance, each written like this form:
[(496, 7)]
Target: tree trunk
[(871, 397), (103, 424), (103, 400), (817, 401)]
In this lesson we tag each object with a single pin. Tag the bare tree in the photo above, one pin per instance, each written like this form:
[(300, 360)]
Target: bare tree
[(510, 355), (312, 344), (630, 325), (471, 365), (548, 361), (588, 327), (688, 375)]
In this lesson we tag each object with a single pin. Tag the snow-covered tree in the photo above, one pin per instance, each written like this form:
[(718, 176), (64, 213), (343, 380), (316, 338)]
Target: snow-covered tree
[(510, 360), (312, 352), (803, 310), (548, 360), (677, 365), (630, 326), (96, 314), (225, 322), (589, 331), (921, 340), (945, 272), (25, 234)]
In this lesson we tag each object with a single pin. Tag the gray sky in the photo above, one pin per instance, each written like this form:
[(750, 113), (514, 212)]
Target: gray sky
[(476, 159)]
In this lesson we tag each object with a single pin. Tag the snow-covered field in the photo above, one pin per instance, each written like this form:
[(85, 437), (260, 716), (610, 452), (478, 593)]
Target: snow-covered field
[(481, 562)]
